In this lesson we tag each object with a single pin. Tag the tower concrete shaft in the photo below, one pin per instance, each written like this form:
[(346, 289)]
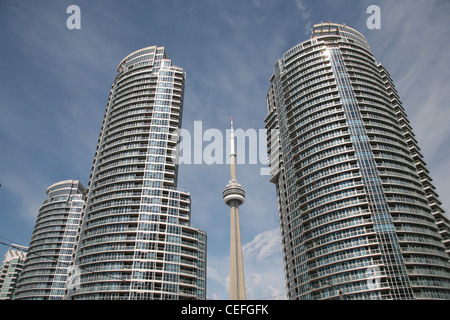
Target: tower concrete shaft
[(237, 282), (234, 196)]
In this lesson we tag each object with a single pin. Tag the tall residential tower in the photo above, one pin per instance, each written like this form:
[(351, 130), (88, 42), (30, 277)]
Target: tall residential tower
[(136, 241), (234, 196), (50, 255), (359, 216), (10, 270)]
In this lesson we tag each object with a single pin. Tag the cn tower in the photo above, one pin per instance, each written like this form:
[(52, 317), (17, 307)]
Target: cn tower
[(234, 196)]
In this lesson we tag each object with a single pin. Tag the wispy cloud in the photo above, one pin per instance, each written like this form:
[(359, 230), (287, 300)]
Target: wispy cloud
[(305, 15), (264, 271), (263, 246)]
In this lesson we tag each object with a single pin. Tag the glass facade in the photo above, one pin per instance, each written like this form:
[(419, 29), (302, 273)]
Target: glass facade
[(136, 241), (50, 255), (10, 270), (359, 216)]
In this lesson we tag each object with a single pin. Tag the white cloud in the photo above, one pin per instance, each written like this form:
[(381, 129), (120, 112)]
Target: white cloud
[(305, 15), (263, 266), (299, 5), (263, 246), (263, 270), (256, 3)]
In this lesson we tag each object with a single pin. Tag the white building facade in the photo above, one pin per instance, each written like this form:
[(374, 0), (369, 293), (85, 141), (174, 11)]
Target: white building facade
[(50, 255), (359, 216), (10, 270), (136, 241)]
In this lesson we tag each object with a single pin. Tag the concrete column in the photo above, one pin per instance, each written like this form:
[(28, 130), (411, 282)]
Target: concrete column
[(237, 282)]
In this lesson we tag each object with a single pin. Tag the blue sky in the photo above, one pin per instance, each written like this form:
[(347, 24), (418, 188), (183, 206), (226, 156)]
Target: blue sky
[(55, 84)]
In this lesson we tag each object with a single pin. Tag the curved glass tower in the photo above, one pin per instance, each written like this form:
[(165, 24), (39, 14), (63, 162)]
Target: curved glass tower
[(49, 258), (10, 270), (136, 241), (357, 210)]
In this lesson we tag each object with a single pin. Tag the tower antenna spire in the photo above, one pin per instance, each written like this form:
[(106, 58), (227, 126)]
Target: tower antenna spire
[(232, 154)]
